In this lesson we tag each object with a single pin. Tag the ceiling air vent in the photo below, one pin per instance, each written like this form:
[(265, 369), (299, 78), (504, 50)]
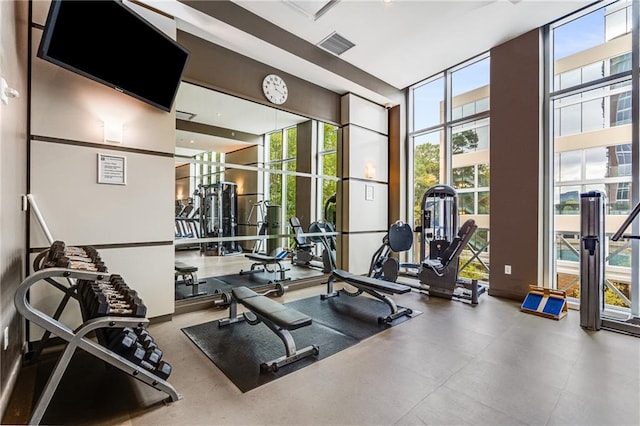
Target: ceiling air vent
[(336, 44), (181, 115)]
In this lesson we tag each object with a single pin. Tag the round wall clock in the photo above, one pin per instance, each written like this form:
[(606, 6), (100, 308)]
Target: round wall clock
[(275, 89)]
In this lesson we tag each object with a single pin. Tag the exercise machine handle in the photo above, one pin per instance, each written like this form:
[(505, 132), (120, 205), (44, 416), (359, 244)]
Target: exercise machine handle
[(590, 243)]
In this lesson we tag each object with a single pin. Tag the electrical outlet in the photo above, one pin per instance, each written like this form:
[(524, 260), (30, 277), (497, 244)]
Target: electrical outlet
[(5, 340), (507, 269)]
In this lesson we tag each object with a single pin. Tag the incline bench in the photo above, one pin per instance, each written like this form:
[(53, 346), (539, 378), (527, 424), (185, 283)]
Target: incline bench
[(264, 261), (278, 317), (372, 286)]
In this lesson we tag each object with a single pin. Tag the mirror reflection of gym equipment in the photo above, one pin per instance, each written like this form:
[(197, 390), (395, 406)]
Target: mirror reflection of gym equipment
[(230, 214), (218, 218), (305, 250)]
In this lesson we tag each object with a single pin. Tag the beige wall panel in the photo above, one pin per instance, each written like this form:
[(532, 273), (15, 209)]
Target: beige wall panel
[(366, 214), (610, 49), (358, 250), (604, 137), (471, 158), (78, 210), (66, 105), (149, 271), (363, 149), (364, 113)]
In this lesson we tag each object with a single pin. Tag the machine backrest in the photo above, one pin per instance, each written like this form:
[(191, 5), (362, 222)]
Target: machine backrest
[(459, 242), (296, 227), (328, 240), (400, 237)]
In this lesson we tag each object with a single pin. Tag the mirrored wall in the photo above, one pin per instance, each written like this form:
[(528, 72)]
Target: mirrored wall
[(255, 193)]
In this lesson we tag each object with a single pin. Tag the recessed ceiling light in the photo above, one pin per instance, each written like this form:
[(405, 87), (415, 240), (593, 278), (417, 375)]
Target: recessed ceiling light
[(313, 9), (181, 115)]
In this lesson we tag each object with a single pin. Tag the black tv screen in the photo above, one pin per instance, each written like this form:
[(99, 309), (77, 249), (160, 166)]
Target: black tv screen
[(108, 42)]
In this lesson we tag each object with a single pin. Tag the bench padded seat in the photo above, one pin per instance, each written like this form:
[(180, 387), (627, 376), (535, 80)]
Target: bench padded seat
[(184, 268), (374, 283), (282, 316), (263, 258)]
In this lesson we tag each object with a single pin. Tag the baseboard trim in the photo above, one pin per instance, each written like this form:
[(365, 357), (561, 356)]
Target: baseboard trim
[(11, 383)]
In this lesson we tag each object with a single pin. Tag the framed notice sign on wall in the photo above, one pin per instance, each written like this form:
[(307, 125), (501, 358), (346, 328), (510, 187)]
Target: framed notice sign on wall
[(112, 169)]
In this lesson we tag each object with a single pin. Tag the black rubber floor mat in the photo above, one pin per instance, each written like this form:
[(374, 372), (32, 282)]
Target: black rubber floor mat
[(338, 323)]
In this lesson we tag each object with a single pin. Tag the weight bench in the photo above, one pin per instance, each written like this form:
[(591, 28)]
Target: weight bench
[(189, 276), (264, 261), (372, 286), (278, 317)]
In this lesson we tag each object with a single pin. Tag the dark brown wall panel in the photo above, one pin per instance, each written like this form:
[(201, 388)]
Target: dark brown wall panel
[(221, 69), (395, 165), (515, 147)]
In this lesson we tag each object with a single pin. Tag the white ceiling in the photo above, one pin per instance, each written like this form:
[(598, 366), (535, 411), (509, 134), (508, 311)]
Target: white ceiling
[(404, 41), (400, 41)]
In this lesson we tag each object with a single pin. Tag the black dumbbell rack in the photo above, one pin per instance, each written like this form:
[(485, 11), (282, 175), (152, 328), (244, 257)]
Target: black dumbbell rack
[(105, 332)]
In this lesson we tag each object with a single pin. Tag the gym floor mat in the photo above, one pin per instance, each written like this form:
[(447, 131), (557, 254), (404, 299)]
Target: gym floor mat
[(338, 323)]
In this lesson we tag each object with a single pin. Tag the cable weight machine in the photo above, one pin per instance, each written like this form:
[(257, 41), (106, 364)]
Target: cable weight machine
[(593, 315), (218, 217)]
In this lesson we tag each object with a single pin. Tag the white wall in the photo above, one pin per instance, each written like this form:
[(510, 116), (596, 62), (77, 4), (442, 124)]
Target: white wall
[(13, 183), (364, 200)]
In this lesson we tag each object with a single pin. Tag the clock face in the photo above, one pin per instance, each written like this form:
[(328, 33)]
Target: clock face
[(275, 89)]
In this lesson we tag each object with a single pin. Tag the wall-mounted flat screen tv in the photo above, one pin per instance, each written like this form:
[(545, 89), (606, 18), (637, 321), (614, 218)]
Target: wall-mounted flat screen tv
[(108, 42)]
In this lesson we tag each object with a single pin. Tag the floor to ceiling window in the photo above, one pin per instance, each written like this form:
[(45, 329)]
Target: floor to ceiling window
[(592, 140), (327, 166), (449, 136)]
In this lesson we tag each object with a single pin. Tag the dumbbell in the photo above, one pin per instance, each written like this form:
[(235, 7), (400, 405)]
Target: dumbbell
[(126, 343), (65, 262), (163, 370), (99, 305), (75, 254), (145, 338), (103, 298)]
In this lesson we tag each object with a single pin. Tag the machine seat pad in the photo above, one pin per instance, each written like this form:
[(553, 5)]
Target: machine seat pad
[(372, 283), (432, 263), (184, 268), (277, 313), (263, 258)]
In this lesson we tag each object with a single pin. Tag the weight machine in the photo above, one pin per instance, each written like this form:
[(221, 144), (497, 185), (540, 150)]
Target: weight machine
[(259, 209), (218, 217), (441, 243), (592, 265), (304, 253)]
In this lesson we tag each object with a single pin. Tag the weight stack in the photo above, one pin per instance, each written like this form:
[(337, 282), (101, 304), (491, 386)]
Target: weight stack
[(274, 227)]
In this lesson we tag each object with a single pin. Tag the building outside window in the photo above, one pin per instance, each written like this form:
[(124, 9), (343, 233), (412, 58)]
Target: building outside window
[(327, 167), (592, 139), (449, 134)]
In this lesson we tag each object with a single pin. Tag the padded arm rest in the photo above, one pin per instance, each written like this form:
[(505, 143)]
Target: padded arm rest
[(371, 283), (277, 313)]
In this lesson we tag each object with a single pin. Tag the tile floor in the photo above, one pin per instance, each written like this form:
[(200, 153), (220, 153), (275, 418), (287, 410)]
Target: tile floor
[(455, 364)]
